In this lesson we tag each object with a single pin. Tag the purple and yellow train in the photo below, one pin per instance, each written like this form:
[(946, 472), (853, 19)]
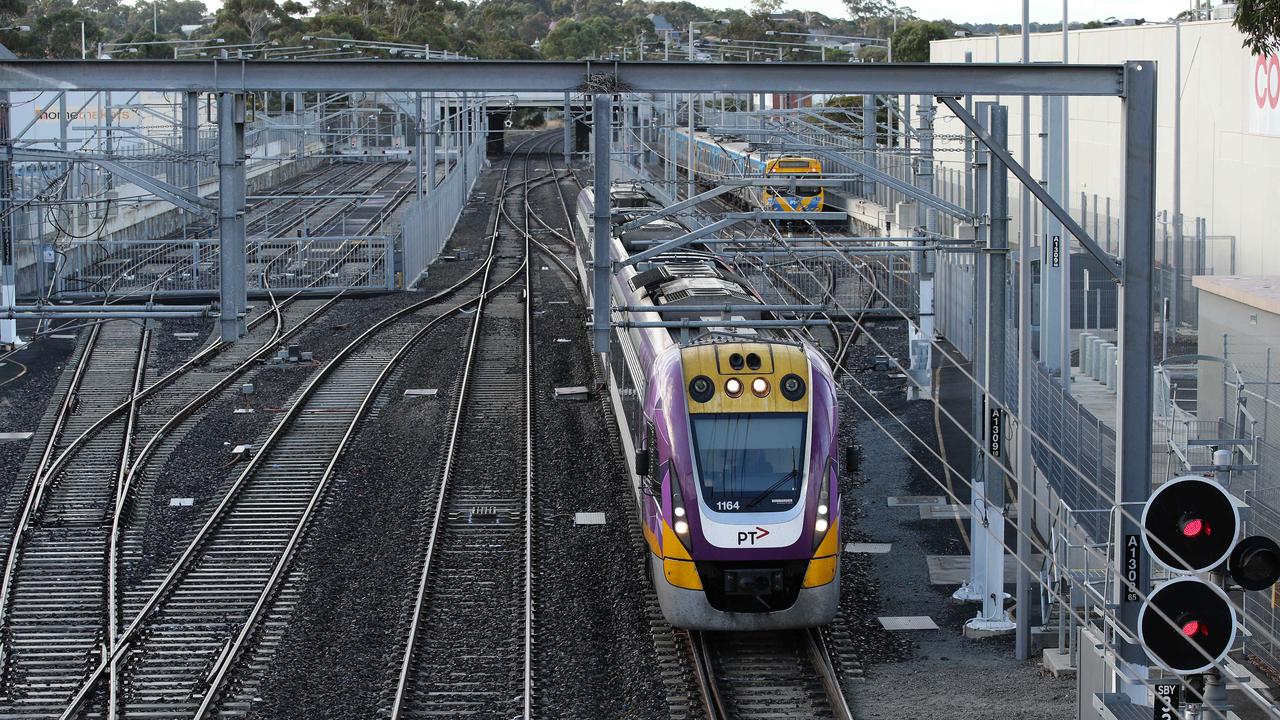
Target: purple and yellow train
[(730, 434)]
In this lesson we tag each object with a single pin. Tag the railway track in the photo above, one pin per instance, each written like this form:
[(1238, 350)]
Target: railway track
[(197, 630), (55, 584), (785, 674), (470, 643), (59, 584)]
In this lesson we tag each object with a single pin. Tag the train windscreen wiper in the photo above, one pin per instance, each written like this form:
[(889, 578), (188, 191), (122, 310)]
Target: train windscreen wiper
[(769, 490)]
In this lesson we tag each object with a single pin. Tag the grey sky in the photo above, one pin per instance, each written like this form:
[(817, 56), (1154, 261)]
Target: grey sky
[(1007, 11)]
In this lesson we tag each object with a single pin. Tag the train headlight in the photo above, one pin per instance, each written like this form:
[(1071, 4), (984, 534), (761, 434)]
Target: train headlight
[(792, 387), (701, 388), (681, 524), (760, 387), (822, 519), (733, 387)]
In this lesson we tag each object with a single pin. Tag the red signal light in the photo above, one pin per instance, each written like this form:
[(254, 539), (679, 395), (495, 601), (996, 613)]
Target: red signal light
[(1191, 628), (1194, 527)]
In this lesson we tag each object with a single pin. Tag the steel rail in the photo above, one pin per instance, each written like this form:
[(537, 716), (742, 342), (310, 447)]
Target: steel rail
[(122, 470), (406, 665), (704, 675), (823, 663), (64, 411)]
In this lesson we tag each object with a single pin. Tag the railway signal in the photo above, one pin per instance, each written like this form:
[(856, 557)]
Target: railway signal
[(1191, 525)]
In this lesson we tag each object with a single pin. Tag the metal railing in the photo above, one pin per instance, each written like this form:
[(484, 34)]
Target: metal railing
[(191, 267)]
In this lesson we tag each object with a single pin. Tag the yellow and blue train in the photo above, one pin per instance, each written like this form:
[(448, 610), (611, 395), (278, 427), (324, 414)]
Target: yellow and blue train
[(716, 158)]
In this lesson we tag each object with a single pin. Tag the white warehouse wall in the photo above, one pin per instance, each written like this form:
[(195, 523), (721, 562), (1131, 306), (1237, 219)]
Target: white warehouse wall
[(1230, 146)]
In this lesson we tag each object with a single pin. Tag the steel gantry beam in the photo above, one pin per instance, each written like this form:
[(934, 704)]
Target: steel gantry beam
[(581, 76)]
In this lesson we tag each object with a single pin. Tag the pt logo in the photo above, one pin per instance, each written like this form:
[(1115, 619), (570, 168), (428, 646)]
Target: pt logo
[(751, 536)]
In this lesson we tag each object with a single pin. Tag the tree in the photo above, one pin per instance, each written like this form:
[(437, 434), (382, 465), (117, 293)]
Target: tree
[(57, 35), (574, 40), (765, 7), (911, 42), (1259, 20)]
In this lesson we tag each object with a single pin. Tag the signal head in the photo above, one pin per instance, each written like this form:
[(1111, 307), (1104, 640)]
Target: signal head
[(1190, 524), (1255, 563), (1187, 625)]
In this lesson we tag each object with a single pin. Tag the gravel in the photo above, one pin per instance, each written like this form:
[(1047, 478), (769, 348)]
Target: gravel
[(168, 351), (591, 593)]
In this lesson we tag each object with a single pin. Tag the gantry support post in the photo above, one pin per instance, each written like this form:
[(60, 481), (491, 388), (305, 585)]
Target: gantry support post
[(920, 337), (190, 149), (1053, 248), (419, 132), (601, 122), (689, 189), (669, 150), (994, 618), (977, 177), (1133, 394), (231, 287), (868, 141), (8, 283), (567, 130), (432, 139)]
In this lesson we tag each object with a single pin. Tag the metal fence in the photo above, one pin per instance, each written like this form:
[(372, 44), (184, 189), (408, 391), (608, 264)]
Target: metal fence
[(191, 267), (1082, 463), (953, 296), (428, 223)]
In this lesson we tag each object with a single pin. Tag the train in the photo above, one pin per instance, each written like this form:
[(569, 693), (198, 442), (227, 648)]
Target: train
[(730, 436), (717, 156)]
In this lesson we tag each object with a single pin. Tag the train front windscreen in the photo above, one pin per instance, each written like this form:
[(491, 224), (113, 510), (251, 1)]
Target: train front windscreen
[(750, 462)]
